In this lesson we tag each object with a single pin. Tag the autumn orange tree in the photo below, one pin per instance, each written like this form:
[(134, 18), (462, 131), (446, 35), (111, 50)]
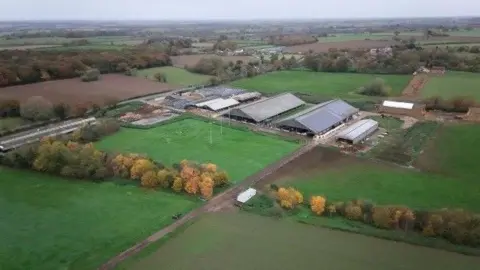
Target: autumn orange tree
[(289, 198), (317, 204), (140, 167)]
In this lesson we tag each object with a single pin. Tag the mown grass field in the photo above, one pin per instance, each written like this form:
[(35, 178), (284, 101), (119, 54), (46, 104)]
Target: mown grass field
[(447, 175), (53, 223), (177, 76), (341, 85), (453, 84), (240, 153), (245, 241), (454, 151)]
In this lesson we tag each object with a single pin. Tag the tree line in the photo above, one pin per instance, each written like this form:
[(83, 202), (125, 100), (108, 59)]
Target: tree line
[(225, 71), (404, 59), (23, 67), (69, 157), (455, 225)]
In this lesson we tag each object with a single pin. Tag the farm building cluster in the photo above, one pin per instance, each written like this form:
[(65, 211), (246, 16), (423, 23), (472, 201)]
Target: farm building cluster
[(284, 112)]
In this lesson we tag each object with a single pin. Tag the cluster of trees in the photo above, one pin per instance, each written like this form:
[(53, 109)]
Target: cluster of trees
[(160, 77), (187, 176), (66, 158), (94, 132), (377, 87), (289, 198), (291, 40), (223, 45), (457, 104), (179, 43), (22, 67), (228, 71), (404, 59), (458, 226)]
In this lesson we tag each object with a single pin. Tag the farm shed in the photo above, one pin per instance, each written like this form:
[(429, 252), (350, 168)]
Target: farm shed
[(247, 96), (320, 118), (402, 108), (358, 131), (30, 136), (245, 196), (218, 104), (263, 110)]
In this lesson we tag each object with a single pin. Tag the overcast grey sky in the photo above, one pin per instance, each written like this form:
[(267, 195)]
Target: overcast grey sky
[(233, 9)]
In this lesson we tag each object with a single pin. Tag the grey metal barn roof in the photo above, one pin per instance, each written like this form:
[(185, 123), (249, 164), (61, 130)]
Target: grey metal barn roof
[(359, 130), (321, 116), (264, 109)]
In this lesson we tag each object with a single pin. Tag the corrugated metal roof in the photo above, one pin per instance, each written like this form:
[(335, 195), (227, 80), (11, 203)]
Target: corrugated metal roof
[(397, 104), (208, 102), (221, 104), (268, 108), (246, 195), (321, 116), (358, 130)]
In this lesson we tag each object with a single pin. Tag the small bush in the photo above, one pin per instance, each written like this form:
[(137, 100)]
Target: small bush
[(160, 77), (37, 108), (90, 75), (375, 88)]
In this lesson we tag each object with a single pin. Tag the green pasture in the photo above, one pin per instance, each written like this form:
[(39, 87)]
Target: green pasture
[(327, 85), (453, 84), (8, 123), (241, 153), (176, 76), (49, 222), (453, 151), (245, 241)]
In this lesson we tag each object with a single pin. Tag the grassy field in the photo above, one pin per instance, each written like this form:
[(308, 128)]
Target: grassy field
[(53, 223), (388, 122), (245, 241), (454, 152), (11, 122), (389, 185), (239, 152), (96, 43), (341, 85), (177, 76), (453, 84)]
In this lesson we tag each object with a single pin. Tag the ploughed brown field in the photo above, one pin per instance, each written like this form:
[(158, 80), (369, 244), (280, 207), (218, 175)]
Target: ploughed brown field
[(74, 91), (323, 47), (368, 44), (190, 60)]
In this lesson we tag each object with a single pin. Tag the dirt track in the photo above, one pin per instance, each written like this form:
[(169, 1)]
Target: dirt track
[(221, 199)]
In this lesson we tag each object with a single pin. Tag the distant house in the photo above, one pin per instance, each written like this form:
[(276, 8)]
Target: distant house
[(381, 51), (438, 70)]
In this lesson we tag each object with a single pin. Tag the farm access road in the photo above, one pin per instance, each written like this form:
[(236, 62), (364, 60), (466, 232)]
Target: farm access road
[(222, 199)]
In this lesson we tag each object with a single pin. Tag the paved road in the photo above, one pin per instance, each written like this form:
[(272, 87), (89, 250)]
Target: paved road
[(221, 199)]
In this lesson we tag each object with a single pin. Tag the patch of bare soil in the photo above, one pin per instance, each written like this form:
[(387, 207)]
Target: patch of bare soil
[(74, 91), (325, 46)]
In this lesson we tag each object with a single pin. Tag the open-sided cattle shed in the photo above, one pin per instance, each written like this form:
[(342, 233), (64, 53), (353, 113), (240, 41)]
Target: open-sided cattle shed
[(263, 110), (218, 104), (320, 118), (358, 131)]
